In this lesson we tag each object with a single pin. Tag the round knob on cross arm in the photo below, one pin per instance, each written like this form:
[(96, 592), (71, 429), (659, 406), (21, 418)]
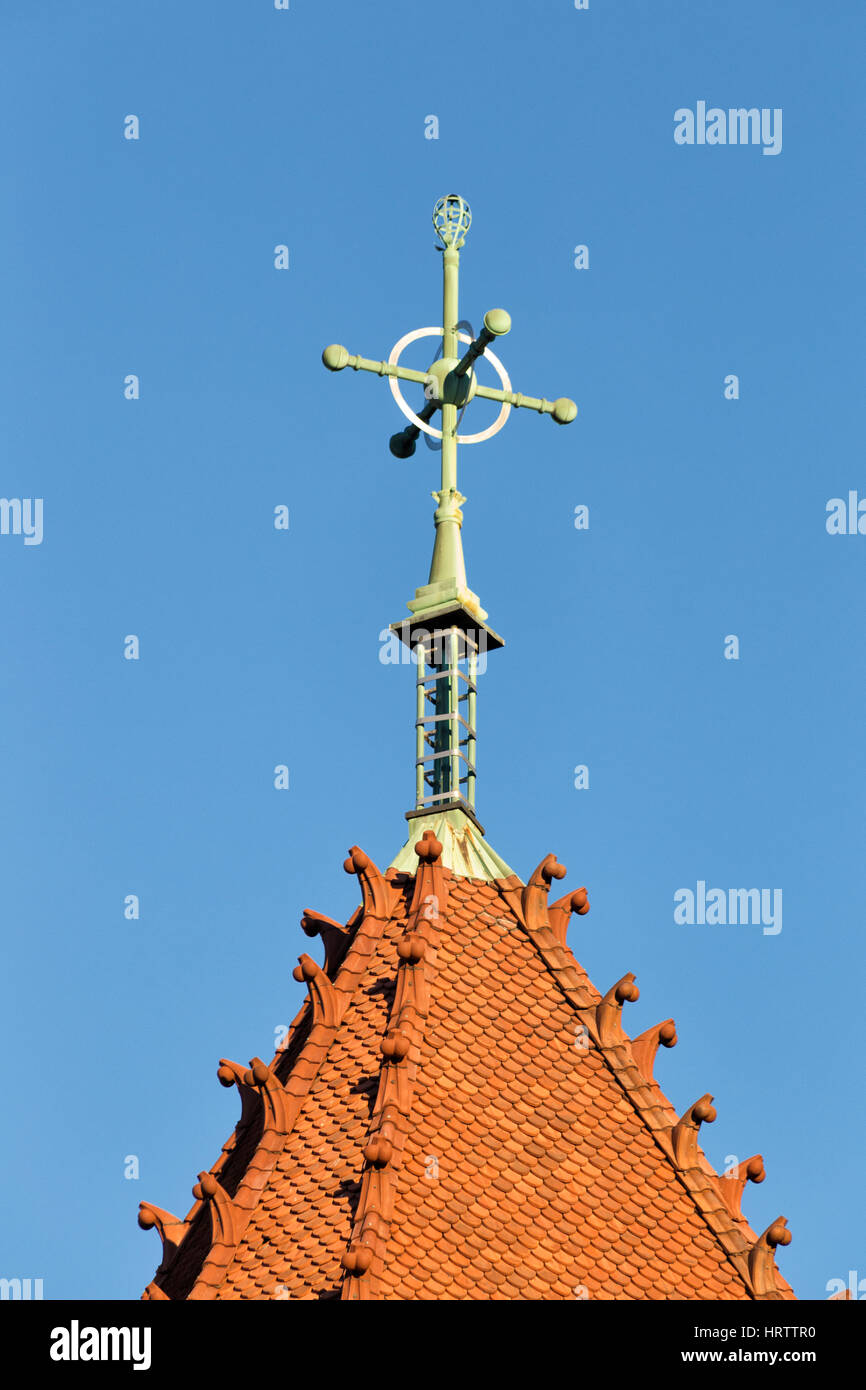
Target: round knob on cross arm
[(497, 322), (335, 357), (402, 445), (564, 411)]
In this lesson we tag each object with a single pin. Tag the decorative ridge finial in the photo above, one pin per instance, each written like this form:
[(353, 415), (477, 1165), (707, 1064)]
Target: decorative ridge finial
[(452, 218)]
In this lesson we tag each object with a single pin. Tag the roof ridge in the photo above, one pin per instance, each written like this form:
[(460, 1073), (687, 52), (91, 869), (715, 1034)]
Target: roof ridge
[(400, 1046), (602, 1020), (281, 1101)]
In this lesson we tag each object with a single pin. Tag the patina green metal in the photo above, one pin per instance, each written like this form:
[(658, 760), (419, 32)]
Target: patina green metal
[(465, 851), (447, 631), (452, 220)]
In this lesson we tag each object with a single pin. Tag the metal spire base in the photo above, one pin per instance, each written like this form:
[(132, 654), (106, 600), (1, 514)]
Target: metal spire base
[(459, 805), (431, 598), (464, 850), (442, 617)]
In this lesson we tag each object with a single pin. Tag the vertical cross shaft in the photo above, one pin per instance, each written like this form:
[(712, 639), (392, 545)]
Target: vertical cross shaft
[(448, 564)]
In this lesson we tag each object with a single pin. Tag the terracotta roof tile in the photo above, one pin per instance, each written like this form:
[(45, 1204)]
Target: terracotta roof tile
[(483, 1153)]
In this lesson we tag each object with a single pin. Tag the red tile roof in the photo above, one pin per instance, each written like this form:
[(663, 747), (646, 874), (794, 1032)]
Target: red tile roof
[(458, 1113)]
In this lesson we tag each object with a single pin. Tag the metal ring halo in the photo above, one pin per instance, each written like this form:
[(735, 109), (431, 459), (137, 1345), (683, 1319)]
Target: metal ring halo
[(414, 419)]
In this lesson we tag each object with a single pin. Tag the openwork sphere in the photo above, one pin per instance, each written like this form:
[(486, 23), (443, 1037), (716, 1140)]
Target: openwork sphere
[(452, 220)]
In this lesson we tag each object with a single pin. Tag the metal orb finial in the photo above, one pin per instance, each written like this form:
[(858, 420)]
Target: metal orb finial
[(452, 220)]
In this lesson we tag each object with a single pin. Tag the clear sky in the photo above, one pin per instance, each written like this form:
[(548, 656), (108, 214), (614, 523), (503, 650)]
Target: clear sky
[(155, 777)]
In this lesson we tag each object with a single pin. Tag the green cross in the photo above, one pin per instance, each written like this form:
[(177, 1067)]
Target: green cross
[(450, 385)]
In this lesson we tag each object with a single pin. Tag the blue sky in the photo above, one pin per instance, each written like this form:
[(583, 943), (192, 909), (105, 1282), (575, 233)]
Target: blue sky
[(258, 647)]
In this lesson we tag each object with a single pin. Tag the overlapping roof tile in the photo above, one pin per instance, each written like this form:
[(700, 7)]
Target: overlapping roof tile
[(458, 1113)]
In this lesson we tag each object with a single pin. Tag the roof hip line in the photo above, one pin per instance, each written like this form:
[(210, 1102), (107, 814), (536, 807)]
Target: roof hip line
[(744, 1249), (364, 1257), (281, 1103)]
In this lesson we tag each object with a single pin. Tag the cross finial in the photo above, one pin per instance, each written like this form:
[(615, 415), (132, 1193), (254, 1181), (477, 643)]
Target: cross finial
[(447, 632), (452, 219)]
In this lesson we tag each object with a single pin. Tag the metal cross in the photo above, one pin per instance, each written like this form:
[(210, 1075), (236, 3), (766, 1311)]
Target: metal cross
[(450, 384)]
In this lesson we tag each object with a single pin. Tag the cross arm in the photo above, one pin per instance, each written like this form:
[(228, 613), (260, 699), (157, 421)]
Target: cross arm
[(336, 358), (563, 410), (497, 322)]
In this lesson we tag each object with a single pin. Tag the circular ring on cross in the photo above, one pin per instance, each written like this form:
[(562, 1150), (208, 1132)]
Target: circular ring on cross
[(414, 419)]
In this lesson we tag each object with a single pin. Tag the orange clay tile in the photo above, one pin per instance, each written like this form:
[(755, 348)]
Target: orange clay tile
[(458, 1113)]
